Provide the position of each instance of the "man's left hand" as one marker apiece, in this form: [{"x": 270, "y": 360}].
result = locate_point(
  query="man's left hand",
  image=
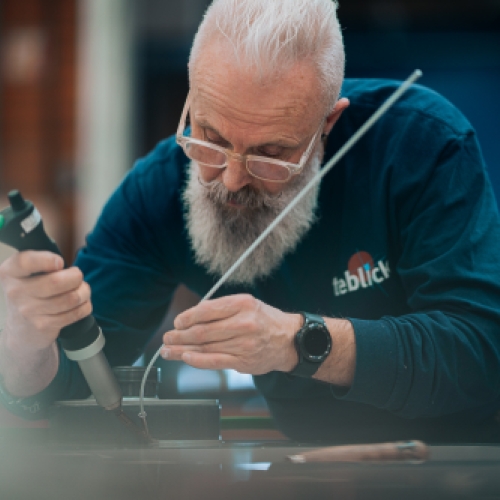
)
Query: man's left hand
[{"x": 237, "y": 332}]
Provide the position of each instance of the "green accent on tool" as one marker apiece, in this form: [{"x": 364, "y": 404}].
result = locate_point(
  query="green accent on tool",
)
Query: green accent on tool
[{"x": 2, "y": 220}]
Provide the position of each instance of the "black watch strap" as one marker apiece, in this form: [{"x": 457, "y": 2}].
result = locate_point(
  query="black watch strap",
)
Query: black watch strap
[
  {"x": 312, "y": 318},
  {"x": 306, "y": 367}
]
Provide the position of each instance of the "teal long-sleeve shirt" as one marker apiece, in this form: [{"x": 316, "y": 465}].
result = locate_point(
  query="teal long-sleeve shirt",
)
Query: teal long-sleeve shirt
[{"x": 405, "y": 246}]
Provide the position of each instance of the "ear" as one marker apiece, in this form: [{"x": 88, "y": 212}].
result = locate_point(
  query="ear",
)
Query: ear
[{"x": 336, "y": 113}]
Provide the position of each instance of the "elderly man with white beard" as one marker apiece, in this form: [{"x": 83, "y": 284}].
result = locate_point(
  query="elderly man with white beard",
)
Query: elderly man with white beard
[{"x": 371, "y": 312}]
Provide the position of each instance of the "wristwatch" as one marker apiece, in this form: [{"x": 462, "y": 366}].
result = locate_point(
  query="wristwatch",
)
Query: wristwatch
[{"x": 313, "y": 343}]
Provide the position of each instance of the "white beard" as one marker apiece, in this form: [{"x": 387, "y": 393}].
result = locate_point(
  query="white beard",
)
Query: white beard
[{"x": 220, "y": 233}]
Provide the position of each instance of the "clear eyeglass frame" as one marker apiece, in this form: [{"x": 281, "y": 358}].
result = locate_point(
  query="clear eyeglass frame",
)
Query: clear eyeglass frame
[{"x": 256, "y": 166}]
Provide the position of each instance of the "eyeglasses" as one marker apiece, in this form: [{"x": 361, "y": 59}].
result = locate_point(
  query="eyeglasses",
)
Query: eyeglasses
[{"x": 211, "y": 155}]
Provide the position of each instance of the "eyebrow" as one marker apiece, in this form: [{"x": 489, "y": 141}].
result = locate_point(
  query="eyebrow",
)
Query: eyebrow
[{"x": 279, "y": 143}]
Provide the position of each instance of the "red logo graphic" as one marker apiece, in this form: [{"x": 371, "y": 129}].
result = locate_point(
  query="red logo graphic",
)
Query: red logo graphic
[
  {"x": 361, "y": 260},
  {"x": 361, "y": 273}
]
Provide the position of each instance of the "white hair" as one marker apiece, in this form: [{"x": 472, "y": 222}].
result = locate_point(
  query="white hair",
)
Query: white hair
[{"x": 272, "y": 35}]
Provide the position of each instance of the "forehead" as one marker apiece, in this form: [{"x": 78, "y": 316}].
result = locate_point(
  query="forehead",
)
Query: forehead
[{"x": 228, "y": 94}]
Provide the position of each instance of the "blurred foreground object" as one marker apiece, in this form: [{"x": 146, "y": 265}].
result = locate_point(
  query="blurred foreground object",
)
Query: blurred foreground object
[{"x": 399, "y": 451}]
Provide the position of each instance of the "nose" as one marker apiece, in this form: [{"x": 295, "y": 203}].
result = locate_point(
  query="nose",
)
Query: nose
[{"x": 235, "y": 175}]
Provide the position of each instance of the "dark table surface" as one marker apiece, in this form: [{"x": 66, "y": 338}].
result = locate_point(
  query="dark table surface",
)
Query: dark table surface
[{"x": 237, "y": 470}]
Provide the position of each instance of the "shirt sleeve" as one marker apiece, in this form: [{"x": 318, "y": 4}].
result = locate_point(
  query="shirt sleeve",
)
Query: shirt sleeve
[{"x": 444, "y": 357}]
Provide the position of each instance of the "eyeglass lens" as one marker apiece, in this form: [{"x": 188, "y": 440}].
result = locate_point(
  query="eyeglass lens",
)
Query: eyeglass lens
[
  {"x": 205, "y": 155},
  {"x": 213, "y": 158}
]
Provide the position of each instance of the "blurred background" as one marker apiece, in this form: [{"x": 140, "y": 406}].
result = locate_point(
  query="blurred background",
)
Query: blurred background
[{"x": 87, "y": 86}]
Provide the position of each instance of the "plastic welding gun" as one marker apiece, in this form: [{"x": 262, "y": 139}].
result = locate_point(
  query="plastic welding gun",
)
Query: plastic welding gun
[{"x": 21, "y": 227}]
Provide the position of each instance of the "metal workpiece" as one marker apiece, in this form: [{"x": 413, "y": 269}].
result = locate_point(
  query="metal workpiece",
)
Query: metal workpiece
[{"x": 84, "y": 422}]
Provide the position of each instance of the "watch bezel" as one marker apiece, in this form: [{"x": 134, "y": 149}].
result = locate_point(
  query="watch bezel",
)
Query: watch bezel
[{"x": 308, "y": 327}]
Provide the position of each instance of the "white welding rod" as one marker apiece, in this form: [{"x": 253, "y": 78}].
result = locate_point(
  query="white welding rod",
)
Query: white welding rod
[{"x": 317, "y": 178}]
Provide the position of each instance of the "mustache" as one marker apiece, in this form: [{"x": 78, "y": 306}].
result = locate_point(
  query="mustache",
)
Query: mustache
[{"x": 247, "y": 196}]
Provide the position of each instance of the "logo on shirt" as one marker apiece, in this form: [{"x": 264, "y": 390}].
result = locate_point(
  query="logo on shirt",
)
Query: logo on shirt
[{"x": 361, "y": 273}]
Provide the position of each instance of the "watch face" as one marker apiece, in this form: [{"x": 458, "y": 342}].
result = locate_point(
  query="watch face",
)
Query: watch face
[{"x": 316, "y": 343}]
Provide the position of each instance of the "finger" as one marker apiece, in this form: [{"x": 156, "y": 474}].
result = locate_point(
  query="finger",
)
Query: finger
[
  {"x": 24, "y": 264},
  {"x": 205, "y": 333},
  {"x": 209, "y": 361},
  {"x": 174, "y": 353},
  {"x": 213, "y": 310},
  {"x": 50, "y": 323},
  {"x": 65, "y": 302},
  {"x": 54, "y": 284},
  {"x": 238, "y": 347}
]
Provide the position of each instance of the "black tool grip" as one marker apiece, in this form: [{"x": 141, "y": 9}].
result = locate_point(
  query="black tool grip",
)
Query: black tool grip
[
  {"x": 22, "y": 228},
  {"x": 13, "y": 234}
]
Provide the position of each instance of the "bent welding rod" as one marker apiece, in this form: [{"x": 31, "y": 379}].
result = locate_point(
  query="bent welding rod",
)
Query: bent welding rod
[{"x": 317, "y": 178}]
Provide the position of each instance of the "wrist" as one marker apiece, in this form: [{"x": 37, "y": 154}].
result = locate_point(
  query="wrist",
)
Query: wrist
[
  {"x": 291, "y": 359},
  {"x": 24, "y": 370},
  {"x": 26, "y": 345},
  {"x": 23, "y": 342},
  {"x": 339, "y": 367}
]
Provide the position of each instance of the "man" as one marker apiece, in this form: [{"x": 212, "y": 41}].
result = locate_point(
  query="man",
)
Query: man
[{"x": 393, "y": 259}]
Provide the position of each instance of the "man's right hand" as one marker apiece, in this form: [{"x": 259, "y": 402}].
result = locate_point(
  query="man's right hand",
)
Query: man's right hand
[{"x": 41, "y": 298}]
